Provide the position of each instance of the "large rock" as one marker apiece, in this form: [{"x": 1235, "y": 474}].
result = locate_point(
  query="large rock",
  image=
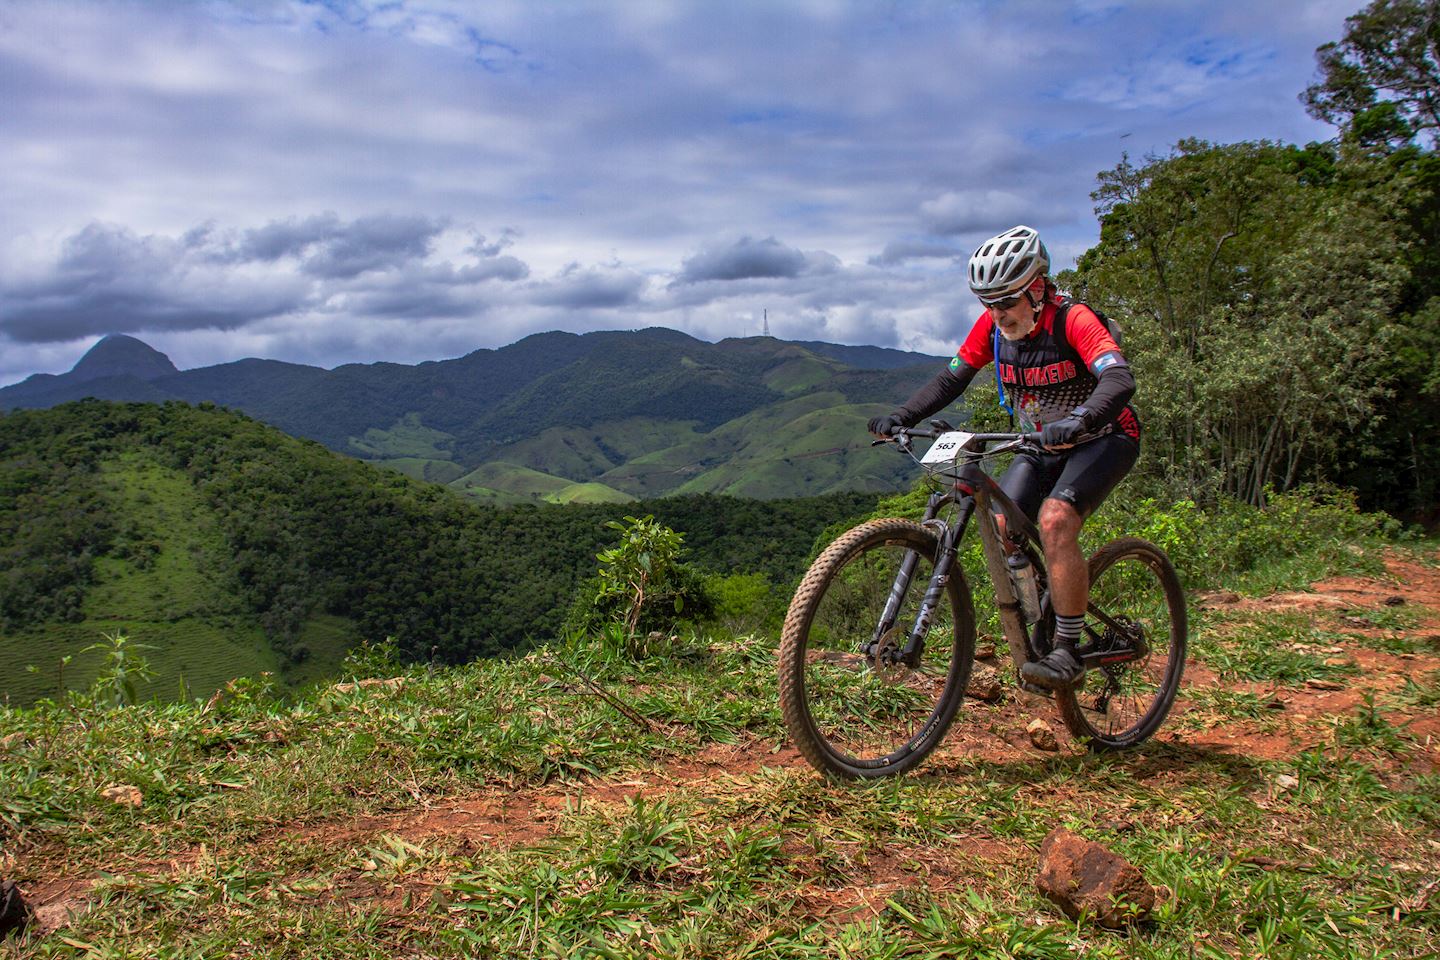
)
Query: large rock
[
  {"x": 985, "y": 685},
  {"x": 1042, "y": 735},
  {"x": 14, "y": 911},
  {"x": 1082, "y": 877}
]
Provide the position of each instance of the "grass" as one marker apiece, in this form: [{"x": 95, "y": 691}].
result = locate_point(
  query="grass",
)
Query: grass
[
  {"x": 1423, "y": 691},
  {"x": 1285, "y": 648},
  {"x": 589, "y": 493},
  {"x": 762, "y": 861},
  {"x": 503, "y": 809},
  {"x": 192, "y": 657},
  {"x": 779, "y": 864},
  {"x": 1211, "y": 705},
  {"x": 1370, "y": 730}
]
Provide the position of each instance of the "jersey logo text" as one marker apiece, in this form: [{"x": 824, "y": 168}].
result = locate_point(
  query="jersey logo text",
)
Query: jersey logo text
[{"x": 1038, "y": 376}]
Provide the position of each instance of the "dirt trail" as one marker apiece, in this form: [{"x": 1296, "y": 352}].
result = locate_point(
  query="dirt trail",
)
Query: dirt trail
[{"x": 504, "y": 817}]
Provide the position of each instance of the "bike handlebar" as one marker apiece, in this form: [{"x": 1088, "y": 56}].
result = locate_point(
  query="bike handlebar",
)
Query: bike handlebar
[
  {"x": 986, "y": 437},
  {"x": 903, "y": 435}
]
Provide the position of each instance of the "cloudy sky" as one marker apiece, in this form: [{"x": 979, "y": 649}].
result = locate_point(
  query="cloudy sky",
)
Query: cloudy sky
[{"x": 335, "y": 181}]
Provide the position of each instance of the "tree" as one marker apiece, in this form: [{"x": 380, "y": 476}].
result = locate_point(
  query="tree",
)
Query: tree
[
  {"x": 1381, "y": 83},
  {"x": 1256, "y": 284}
]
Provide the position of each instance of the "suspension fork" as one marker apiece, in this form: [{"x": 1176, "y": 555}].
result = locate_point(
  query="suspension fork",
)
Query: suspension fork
[
  {"x": 934, "y": 591},
  {"x": 898, "y": 589},
  {"x": 949, "y": 537}
]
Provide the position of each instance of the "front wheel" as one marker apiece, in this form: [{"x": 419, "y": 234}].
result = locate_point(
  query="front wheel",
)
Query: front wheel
[
  {"x": 852, "y": 703},
  {"x": 1134, "y": 641}
]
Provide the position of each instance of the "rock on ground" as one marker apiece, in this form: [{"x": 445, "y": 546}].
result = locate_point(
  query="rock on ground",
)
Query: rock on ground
[
  {"x": 1042, "y": 735},
  {"x": 1081, "y": 876},
  {"x": 984, "y": 685},
  {"x": 125, "y": 794}
]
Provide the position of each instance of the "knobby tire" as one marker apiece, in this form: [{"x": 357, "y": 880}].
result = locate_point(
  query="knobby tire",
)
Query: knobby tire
[
  {"x": 871, "y": 546},
  {"x": 1141, "y": 579}
]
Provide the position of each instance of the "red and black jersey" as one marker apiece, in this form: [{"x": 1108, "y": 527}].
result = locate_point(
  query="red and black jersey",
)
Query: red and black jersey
[{"x": 1046, "y": 378}]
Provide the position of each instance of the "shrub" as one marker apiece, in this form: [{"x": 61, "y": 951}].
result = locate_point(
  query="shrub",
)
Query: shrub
[
  {"x": 746, "y": 602},
  {"x": 641, "y": 584}
]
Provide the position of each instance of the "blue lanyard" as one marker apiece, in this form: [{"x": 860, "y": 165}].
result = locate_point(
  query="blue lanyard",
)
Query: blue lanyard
[{"x": 999, "y": 387}]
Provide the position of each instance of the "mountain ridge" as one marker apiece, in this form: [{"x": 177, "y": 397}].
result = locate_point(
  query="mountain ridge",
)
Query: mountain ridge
[{"x": 445, "y": 418}]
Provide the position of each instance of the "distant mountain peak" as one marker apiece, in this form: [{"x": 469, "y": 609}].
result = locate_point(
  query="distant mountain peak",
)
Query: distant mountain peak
[{"x": 119, "y": 355}]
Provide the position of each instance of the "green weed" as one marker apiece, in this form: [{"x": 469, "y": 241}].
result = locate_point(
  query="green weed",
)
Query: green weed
[
  {"x": 1281, "y": 648},
  {"x": 1422, "y": 692},
  {"x": 1206, "y": 705},
  {"x": 1369, "y": 730}
]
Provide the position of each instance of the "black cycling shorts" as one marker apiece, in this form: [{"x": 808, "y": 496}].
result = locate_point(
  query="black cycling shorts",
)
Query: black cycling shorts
[{"x": 1082, "y": 476}]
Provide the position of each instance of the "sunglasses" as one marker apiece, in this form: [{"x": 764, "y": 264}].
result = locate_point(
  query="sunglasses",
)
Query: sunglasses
[{"x": 1005, "y": 303}]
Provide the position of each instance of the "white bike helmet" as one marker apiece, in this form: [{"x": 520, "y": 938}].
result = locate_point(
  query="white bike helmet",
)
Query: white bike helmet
[{"x": 1006, "y": 264}]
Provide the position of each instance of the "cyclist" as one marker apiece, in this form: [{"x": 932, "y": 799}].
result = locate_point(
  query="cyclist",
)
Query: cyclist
[{"x": 1062, "y": 370}]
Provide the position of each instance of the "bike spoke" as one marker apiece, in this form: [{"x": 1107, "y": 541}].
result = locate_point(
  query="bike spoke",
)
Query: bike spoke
[
  {"x": 869, "y": 711},
  {"x": 1136, "y": 620}
]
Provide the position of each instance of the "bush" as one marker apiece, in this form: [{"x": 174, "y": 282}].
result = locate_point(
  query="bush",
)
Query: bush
[
  {"x": 746, "y": 603},
  {"x": 1232, "y": 537},
  {"x": 372, "y": 659},
  {"x": 641, "y": 586}
]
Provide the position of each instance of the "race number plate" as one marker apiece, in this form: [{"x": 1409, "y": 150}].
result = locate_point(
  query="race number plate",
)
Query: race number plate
[{"x": 946, "y": 447}]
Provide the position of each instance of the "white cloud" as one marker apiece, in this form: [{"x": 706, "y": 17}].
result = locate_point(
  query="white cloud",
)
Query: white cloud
[
  {"x": 965, "y": 211},
  {"x": 368, "y": 142}
]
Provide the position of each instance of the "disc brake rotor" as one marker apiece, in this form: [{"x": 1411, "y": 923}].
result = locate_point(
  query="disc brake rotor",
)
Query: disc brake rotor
[{"x": 884, "y": 662}]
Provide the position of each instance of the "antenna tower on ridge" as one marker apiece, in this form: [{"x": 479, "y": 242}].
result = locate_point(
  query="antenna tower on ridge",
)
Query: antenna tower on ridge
[{"x": 766, "y": 328}]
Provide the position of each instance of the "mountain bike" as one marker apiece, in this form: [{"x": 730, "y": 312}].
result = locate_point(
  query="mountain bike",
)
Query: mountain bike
[{"x": 879, "y": 641}]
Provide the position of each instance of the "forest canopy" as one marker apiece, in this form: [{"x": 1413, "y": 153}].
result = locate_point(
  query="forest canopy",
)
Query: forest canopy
[
  {"x": 1281, "y": 304},
  {"x": 307, "y": 531}
]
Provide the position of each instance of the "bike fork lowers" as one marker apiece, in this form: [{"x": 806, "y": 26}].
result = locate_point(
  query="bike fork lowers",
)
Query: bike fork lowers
[
  {"x": 915, "y": 645},
  {"x": 898, "y": 589},
  {"x": 934, "y": 592}
]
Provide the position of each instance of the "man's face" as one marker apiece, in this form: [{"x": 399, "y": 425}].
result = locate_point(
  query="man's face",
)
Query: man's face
[{"x": 1014, "y": 321}]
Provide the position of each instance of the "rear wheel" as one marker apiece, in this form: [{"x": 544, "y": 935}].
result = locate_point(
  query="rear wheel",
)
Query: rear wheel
[
  {"x": 1136, "y": 621},
  {"x": 851, "y": 706}
]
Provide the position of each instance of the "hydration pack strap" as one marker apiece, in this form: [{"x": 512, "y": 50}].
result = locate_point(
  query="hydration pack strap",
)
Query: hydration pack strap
[
  {"x": 1057, "y": 330},
  {"x": 999, "y": 386}
]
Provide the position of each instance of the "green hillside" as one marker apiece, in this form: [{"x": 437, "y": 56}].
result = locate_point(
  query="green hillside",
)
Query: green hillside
[
  {"x": 584, "y": 453},
  {"x": 406, "y": 438},
  {"x": 500, "y": 482},
  {"x": 232, "y": 549},
  {"x": 420, "y": 468},
  {"x": 589, "y": 493},
  {"x": 816, "y": 441},
  {"x": 163, "y": 583},
  {"x": 500, "y": 477}
]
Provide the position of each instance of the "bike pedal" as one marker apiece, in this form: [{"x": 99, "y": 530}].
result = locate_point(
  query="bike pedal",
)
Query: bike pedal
[{"x": 1036, "y": 689}]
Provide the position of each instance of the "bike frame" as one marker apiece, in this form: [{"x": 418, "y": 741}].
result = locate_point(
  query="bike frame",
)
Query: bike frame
[{"x": 973, "y": 490}]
